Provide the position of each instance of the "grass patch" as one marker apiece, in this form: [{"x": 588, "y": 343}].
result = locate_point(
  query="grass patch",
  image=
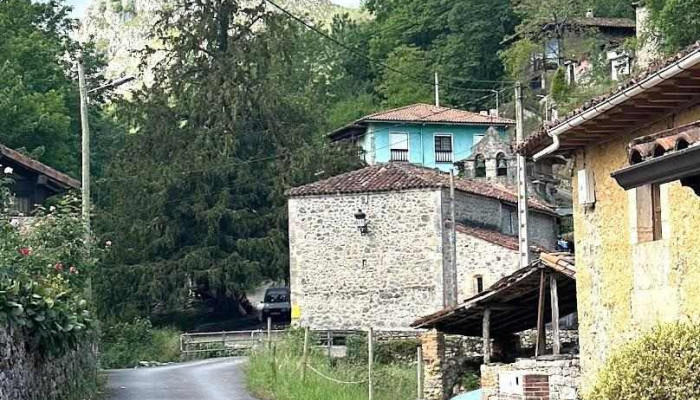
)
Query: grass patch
[
  {"x": 280, "y": 377},
  {"x": 124, "y": 345}
]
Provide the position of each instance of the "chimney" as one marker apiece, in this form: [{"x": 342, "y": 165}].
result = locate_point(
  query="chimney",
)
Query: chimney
[
  {"x": 647, "y": 39},
  {"x": 484, "y": 113}
]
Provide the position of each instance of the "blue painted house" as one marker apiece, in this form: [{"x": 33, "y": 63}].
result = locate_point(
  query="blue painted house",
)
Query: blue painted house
[{"x": 423, "y": 134}]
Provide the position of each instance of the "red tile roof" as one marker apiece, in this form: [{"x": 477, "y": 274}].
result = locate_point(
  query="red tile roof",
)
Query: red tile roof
[
  {"x": 402, "y": 176},
  {"x": 33, "y": 165},
  {"x": 491, "y": 236},
  {"x": 427, "y": 113}
]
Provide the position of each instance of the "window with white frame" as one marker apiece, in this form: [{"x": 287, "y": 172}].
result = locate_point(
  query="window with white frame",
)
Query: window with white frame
[
  {"x": 398, "y": 142},
  {"x": 443, "y": 148}
]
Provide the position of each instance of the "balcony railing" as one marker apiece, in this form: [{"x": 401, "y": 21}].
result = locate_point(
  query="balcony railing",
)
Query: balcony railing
[
  {"x": 443, "y": 156},
  {"x": 399, "y": 155}
]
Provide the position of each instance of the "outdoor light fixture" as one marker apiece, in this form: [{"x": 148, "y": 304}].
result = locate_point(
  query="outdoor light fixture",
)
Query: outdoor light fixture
[{"x": 362, "y": 222}]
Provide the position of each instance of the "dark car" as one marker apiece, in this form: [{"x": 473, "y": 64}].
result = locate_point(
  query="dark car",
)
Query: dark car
[{"x": 277, "y": 305}]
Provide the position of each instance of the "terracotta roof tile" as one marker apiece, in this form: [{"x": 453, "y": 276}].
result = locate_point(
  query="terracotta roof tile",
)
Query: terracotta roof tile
[
  {"x": 426, "y": 113},
  {"x": 539, "y": 139},
  {"x": 665, "y": 142},
  {"x": 402, "y": 176},
  {"x": 491, "y": 236}
]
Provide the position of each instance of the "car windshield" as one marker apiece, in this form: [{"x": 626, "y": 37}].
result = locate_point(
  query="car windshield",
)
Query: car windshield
[{"x": 278, "y": 297}]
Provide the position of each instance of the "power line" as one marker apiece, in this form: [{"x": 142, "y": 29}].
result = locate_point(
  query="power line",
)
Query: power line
[{"x": 373, "y": 61}]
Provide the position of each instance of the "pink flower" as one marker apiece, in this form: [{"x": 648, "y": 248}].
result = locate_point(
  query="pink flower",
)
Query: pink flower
[
  {"x": 58, "y": 267},
  {"x": 25, "y": 251},
  {"x": 73, "y": 270}
]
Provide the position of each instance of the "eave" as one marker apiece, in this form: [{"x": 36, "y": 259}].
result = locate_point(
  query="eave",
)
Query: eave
[{"x": 682, "y": 165}]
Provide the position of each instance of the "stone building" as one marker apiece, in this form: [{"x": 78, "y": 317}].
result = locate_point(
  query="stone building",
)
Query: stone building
[
  {"x": 373, "y": 247},
  {"x": 636, "y": 211}
]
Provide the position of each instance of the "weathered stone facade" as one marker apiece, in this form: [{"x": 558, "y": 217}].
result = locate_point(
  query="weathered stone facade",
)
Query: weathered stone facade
[
  {"x": 26, "y": 375},
  {"x": 561, "y": 374},
  {"x": 387, "y": 279},
  {"x": 625, "y": 287}
]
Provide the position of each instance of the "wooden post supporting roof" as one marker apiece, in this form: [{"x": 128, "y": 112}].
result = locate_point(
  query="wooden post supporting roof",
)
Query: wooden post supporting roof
[
  {"x": 486, "y": 327},
  {"x": 554, "y": 298},
  {"x": 541, "y": 339}
]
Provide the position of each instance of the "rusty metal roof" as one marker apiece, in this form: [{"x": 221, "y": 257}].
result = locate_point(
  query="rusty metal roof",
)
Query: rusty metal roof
[
  {"x": 403, "y": 176},
  {"x": 513, "y": 301},
  {"x": 27, "y": 162}
]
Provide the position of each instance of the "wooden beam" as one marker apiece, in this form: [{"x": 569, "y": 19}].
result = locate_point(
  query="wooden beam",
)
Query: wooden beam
[
  {"x": 554, "y": 298},
  {"x": 486, "y": 334},
  {"x": 541, "y": 338}
]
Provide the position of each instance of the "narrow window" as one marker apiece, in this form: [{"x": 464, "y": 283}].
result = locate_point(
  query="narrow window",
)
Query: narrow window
[
  {"x": 649, "y": 213},
  {"x": 479, "y": 283},
  {"x": 443, "y": 148},
  {"x": 480, "y": 166},
  {"x": 399, "y": 146},
  {"x": 501, "y": 165}
]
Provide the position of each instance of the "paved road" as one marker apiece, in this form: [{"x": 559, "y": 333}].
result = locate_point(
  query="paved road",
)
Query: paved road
[{"x": 215, "y": 379}]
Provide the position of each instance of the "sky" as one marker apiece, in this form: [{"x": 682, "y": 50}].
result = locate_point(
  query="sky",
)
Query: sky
[{"x": 80, "y": 5}]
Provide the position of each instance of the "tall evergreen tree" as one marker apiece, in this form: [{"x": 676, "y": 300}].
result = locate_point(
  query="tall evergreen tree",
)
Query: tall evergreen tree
[{"x": 194, "y": 203}]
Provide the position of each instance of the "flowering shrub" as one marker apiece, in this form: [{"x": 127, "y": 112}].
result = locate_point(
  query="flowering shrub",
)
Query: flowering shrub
[{"x": 44, "y": 271}]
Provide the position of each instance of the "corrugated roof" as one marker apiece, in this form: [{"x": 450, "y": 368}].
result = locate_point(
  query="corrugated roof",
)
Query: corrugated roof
[
  {"x": 39, "y": 168},
  {"x": 402, "y": 176}
]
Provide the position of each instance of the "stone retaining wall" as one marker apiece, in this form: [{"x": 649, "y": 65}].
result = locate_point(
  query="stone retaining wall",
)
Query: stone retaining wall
[
  {"x": 26, "y": 375},
  {"x": 564, "y": 376}
]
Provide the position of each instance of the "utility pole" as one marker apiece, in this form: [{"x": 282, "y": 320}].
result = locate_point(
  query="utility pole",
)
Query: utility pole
[
  {"x": 524, "y": 241},
  {"x": 453, "y": 287},
  {"x": 437, "y": 90},
  {"x": 498, "y": 101},
  {"x": 85, "y": 190}
]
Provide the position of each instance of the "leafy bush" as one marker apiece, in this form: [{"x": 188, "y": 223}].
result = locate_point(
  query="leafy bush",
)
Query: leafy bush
[
  {"x": 124, "y": 345},
  {"x": 44, "y": 270},
  {"x": 385, "y": 351},
  {"x": 662, "y": 365}
]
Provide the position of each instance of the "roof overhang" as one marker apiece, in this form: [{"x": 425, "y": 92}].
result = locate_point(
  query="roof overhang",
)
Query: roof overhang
[
  {"x": 513, "y": 301},
  {"x": 644, "y": 102},
  {"x": 55, "y": 179},
  {"x": 683, "y": 165}
]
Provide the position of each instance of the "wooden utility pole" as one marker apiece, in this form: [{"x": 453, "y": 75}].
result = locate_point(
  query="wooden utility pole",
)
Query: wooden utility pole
[
  {"x": 524, "y": 241},
  {"x": 454, "y": 288},
  {"x": 370, "y": 361},
  {"x": 85, "y": 189},
  {"x": 541, "y": 333}
]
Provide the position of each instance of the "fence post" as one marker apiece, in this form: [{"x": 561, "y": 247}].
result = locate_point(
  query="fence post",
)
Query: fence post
[
  {"x": 305, "y": 354},
  {"x": 419, "y": 371},
  {"x": 269, "y": 332},
  {"x": 329, "y": 338},
  {"x": 370, "y": 349},
  {"x": 223, "y": 343},
  {"x": 274, "y": 363}
]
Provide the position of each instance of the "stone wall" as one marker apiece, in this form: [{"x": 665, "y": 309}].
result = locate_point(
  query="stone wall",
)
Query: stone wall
[
  {"x": 563, "y": 376},
  {"x": 387, "y": 279},
  {"x": 26, "y": 375},
  {"x": 625, "y": 287}
]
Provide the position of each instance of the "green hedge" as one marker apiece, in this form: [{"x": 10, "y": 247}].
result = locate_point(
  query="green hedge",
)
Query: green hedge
[
  {"x": 662, "y": 365},
  {"x": 390, "y": 351},
  {"x": 124, "y": 345}
]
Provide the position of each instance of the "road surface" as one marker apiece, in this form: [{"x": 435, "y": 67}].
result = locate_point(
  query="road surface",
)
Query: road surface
[{"x": 215, "y": 379}]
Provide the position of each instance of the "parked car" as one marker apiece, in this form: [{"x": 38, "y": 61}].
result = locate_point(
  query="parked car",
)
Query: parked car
[{"x": 276, "y": 305}]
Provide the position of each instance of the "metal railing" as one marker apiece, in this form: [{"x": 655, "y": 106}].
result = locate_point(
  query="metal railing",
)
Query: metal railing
[
  {"x": 399, "y": 155},
  {"x": 443, "y": 156}
]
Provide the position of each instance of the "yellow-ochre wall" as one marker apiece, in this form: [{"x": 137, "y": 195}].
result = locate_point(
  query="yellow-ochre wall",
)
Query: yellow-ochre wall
[{"x": 624, "y": 288}]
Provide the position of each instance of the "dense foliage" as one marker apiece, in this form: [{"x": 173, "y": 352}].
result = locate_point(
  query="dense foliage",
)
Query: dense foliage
[
  {"x": 125, "y": 344},
  {"x": 194, "y": 202},
  {"x": 661, "y": 365},
  {"x": 44, "y": 270},
  {"x": 676, "y": 21},
  {"x": 39, "y": 111}
]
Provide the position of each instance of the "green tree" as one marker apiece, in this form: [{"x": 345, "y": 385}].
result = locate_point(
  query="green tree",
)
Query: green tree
[
  {"x": 560, "y": 89},
  {"x": 194, "y": 202},
  {"x": 677, "y": 21},
  {"x": 38, "y": 84},
  {"x": 404, "y": 88}
]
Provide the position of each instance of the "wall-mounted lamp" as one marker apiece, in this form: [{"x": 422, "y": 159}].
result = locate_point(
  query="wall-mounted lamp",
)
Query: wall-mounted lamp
[{"x": 361, "y": 219}]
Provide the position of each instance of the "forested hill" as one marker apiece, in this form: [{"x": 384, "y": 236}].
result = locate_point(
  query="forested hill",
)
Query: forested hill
[{"x": 122, "y": 28}]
